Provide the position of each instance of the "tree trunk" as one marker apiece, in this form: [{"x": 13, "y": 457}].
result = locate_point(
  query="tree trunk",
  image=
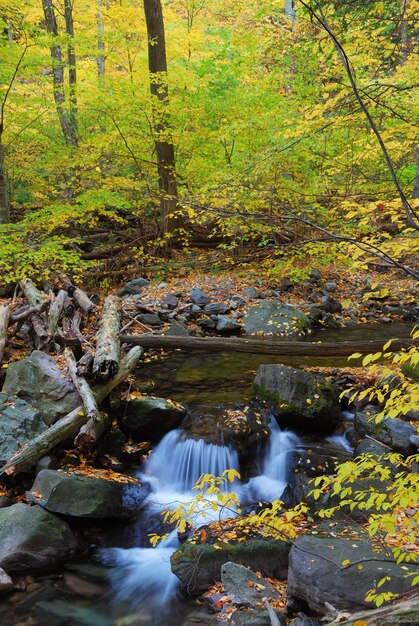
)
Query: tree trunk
[
  {"x": 415, "y": 192},
  {"x": 58, "y": 76},
  {"x": 290, "y": 11},
  {"x": 159, "y": 89},
  {"x": 4, "y": 190},
  {"x": 4, "y": 322},
  {"x": 100, "y": 59},
  {"x": 72, "y": 71},
  {"x": 262, "y": 345},
  {"x": 106, "y": 360}
]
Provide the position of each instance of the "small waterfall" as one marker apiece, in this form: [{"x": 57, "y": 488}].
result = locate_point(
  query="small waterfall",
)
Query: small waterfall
[
  {"x": 178, "y": 462},
  {"x": 270, "y": 484},
  {"x": 340, "y": 441}
]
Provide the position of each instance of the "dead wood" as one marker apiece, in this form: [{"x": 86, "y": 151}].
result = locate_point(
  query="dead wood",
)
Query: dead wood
[
  {"x": 68, "y": 426},
  {"x": 4, "y": 322},
  {"x": 80, "y": 296},
  {"x": 106, "y": 359},
  {"x": 55, "y": 310},
  {"x": 262, "y": 345}
]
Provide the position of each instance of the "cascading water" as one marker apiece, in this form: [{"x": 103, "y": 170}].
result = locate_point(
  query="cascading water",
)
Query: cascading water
[
  {"x": 270, "y": 484},
  {"x": 142, "y": 576}
]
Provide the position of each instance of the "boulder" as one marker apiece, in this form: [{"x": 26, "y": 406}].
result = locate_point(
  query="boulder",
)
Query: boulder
[
  {"x": 257, "y": 617},
  {"x": 299, "y": 398},
  {"x": 242, "y": 427},
  {"x": 235, "y": 579},
  {"x": 227, "y": 324},
  {"x": 39, "y": 381},
  {"x": 216, "y": 308},
  {"x": 147, "y": 418},
  {"x": 19, "y": 424},
  {"x": 199, "y": 297},
  {"x": 32, "y": 539},
  {"x": 342, "y": 569},
  {"x": 391, "y": 431},
  {"x": 87, "y": 496},
  {"x": 6, "y": 583},
  {"x": 198, "y": 565},
  {"x": 274, "y": 317}
]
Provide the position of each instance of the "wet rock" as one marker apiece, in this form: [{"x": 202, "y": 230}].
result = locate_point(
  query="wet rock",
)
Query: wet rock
[
  {"x": 299, "y": 398},
  {"x": 177, "y": 330},
  {"x": 275, "y": 318},
  {"x": 330, "y": 286},
  {"x": 369, "y": 446},
  {"x": 258, "y": 617},
  {"x": 216, "y": 308},
  {"x": 19, "y": 423},
  {"x": 64, "y": 613},
  {"x": 303, "y": 620},
  {"x": 87, "y": 496},
  {"x": 5, "y": 501},
  {"x": 207, "y": 324},
  {"x": 235, "y": 579},
  {"x": 239, "y": 300},
  {"x": 6, "y": 583},
  {"x": 227, "y": 324},
  {"x": 198, "y": 565},
  {"x": 317, "y": 574},
  {"x": 31, "y": 538},
  {"x": 330, "y": 305},
  {"x": 170, "y": 302},
  {"x": 147, "y": 418},
  {"x": 39, "y": 381},
  {"x": 199, "y": 297},
  {"x": 252, "y": 293},
  {"x": 150, "y": 319},
  {"x": 393, "y": 432}
]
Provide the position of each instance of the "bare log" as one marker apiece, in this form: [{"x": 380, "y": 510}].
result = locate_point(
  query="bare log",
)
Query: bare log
[
  {"x": 97, "y": 422},
  {"x": 4, "y": 322},
  {"x": 84, "y": 364},
  {"x": 262, "y": 345},
  {"x": 32, "y": 294},
  {"x": 106, "y": 359},
  {"x": 69, "y": 425},
  {"x": 80, "y": 296},
  {"x": 54, "y": 312},
  {"x": 402, "y": 612},
  {"x": 23, "y": 313}
]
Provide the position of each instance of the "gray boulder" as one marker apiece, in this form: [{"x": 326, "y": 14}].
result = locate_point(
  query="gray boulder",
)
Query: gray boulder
[
  {"x": 198, "y": 565},
  {"x": 88, "y": 497},
  {"x": 227, "y": 324},
  {"x": 341, "y": 570},
  {"x": 32, "y": 539},
  {"x": 235, "y": 579},
  {"x": 19, "y": 424},
  {"x": 299, "y": 398},
  {"x": 147, "y": 418},
  {"x": 40, "y": 382},
  {"x": 391, "y": 431},
  {"x": 216, "y": 308},
  {"x": 199, "y": 297},
  {"x": 274, "y": 317}
]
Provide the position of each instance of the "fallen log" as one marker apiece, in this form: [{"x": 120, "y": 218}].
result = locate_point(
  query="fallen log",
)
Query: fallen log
[
  {"x": 80, "y": 296},
  {"x": 106, "y": 359},
  {"x": 402, "y": 612},
  {"x": 32, "y": 294},
  {"x": 96, "y": 422},
  {"x": 36, "y": 298},
  {"x": 55, "y": 309},
  {"x": 4, "y": 322},
  {"x": 263, "y": 345},
  {"x": 69, "y": 425},
  {"x": 23, "y": 313},
  {"x": 84, "y": 364}
]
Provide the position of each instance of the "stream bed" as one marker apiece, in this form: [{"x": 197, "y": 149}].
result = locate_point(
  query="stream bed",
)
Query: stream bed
[{"x": 121, "y": 580}]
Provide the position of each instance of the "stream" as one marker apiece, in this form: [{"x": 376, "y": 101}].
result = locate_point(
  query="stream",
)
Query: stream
[{"x": 140, "y": 587}]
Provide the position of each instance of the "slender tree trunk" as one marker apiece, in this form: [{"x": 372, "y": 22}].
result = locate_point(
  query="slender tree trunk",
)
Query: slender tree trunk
[
  {"x": 4, "y": 189},
  {"x": 100, "y": 59},
  {"x": 415, "y": 192},
  {"x": 72, "y": 70},
  {"x": 58, "y": 76},
  {"x": 165, "y": 152},
  {"x": 290, "y": 10}
]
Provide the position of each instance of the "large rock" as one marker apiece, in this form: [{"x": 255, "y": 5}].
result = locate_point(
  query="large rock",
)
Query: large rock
[
  {"x": 84, "y": 496},
  {"x": 391, "y": 431},
  {"x": 341, "y": 570},
  {"x": 40, "y": 382},
  {"x": 19, "y": 424},
  {"x": 273, "y": 317},
  {"x": 299, "y": 398},
  {"x": 235, "y": 579},
  {"x": 198, "y": 565},
  {"x": 147, "y": 418},
  {"x": 33, "y": 539}
]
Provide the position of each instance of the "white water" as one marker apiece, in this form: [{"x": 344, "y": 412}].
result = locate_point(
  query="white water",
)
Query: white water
[
  {"x": 270, "y": 484},
  {"x": 340, "y": 441}
]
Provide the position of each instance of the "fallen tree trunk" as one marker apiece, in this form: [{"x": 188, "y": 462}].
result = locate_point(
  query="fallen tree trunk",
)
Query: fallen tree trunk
[
  {"x": 69, "y": 425},
  {"x": 263, "y": 345},
  {"x": 4, "y": 322},
  {"x": 23, "y": 313},
  {"x": 32, "y": 294},
  {"x": 403, "y": 612},
  {"x": 36, "y": 298},
  {"x": 106, "y": 359},
  {"x": 96, "y": 422},
  {"x": 54, "y": 312},
  {"x": 80, "y": 296}
]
